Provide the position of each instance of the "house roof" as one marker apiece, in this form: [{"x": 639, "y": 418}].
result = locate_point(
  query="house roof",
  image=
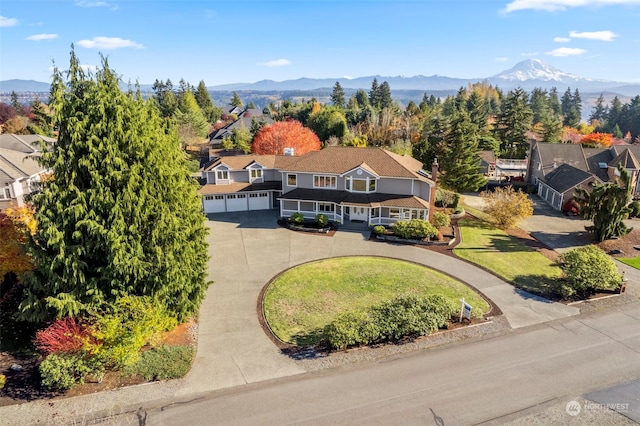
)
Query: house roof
[
  {"x": 489, "y": 157},
  {"x": 562, "y": 153},
  {"x": 598, "y": 159},
  {"x": 627, "y": 159},
  {"x": 239, "y": 162},
  {"x": 566, "y": 177},
  {"x": 211, "y": 189},
  {"x": 23, "y": 143},
  {"x": 356, "y": 199},
  {"x": 338, "y": 160}
]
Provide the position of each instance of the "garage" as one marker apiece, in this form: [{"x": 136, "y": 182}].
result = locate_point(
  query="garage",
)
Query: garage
[
  {"x": 259, "y": 201},
  {"x": 237, "y": 202},
  {"x": 214, "y": 204}
]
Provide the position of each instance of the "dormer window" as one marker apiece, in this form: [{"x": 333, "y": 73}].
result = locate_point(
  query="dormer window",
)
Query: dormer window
[
  {"x": 222, "y": 175},
  {"x": 256, "y": 174}
]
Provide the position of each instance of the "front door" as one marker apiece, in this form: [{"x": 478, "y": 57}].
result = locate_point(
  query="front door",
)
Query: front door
[{"x": 359, "y": 213}]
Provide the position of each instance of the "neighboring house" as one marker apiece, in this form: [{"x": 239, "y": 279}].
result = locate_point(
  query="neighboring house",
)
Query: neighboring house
[
  {"x": 244, "y": 121},
  {"x": 369, "y": 185},
  {"x": 19, "y": 168},
  {"x": 487, "y": 163},
  {"x": 557, "y": 169}
]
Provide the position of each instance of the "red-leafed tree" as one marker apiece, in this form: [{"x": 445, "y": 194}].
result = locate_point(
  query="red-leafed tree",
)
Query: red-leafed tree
[
  {"x": 65, "y": 335},
  {"x": 275, "y": 138},
  {"x": 597, "y": 140}
]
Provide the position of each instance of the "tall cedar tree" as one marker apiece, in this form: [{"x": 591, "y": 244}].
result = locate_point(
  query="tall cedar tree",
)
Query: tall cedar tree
[
  {"x": 460, "y": 161},
  {"x": 337, "y": 95},
  {"x": 273, "y": 139},
  {"x": 513, "y": 124},
  {"x": 607, "y": 205},
  {"x": 121, "y": 216}
]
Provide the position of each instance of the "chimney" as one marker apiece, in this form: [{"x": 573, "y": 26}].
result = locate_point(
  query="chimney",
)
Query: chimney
[
  {"x": 432, "y": 194},
  {"x": 289, "y": 151}
]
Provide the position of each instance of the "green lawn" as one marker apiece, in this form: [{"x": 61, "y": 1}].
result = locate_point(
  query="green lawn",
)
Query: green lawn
[
  {"x": 302, "y": 301},
  {"x": 631, "y": 261},
  {"x": 498, "y": 252}
]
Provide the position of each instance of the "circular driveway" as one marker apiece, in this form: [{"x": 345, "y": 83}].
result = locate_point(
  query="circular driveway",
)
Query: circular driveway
[{"x": 247, "y": 249}]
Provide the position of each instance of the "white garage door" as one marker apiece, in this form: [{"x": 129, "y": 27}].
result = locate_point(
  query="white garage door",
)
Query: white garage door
[
  {"x": 213, "y": 204},
  {"x": 236, "y": 202},
  {"x": 259, "y": 201}
]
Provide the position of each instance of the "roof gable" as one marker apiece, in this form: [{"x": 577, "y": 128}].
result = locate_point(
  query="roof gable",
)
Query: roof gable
[
  {"x": 627, "y": 160},
  {"x": 562, "y": 153},
  {"x": 566, "y": 177}
]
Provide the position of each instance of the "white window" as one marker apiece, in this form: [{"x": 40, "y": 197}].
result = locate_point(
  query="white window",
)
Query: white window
[
  {"x": 292, "y": 180},
  {"x": 360, "y": 185},
  {"x": 6, "y": 193},
  {"x": 394, "y": 213},
  {"x": 256, "y": 174},
  {"x": 222, "y": 174},
  {"x": 219, "y": 197},
  {"x": 326, "y": 207},
  {"x": 324, "y": 182}
]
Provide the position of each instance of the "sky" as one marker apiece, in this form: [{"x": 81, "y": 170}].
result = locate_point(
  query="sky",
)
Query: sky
[{"x": 232, "y": 41}]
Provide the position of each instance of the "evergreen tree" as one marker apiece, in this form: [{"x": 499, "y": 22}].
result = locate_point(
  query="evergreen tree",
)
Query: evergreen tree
[
  {"x": 192, "y": 124},
  {"x": 599, "y": 112},
  {"x": 551, "y": 128},
  {"x": 337, "y": 96},
  {"x": 539, "y": 104},
  {"x": 571, "y": 108},
  {"x": 513, "y": 124},
  {"x": 554, "y": 102},
  {"x": 15, "y": 103},
  {"x": 235, "y": 100},
  {"x": 607, "y": 205},
  {"x": 374, "y": 94},
  {"x": 211, "y": 112},
  {"x": 460, "y": 162},
  {"x": 384, "y": 96},
  {"x": 362, "y": 98},
  {"x": 120, "y": 215}
]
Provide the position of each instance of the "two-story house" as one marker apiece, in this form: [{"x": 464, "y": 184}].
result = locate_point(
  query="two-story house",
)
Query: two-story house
[
  {"x": 369, "y": 185},
  {"x": 19, "y": 168}
]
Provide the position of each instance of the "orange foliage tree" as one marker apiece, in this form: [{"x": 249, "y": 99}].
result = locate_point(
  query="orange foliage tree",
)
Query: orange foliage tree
[
  {"x": 13, "y": 235},
  {"x": 275, "y": 138},
  {"x": 597, "y": 139}
]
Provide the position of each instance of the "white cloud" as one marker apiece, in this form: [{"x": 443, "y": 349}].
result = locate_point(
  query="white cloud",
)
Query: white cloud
[
  {"x": 108, "y": 43},
  {"x": 88, "y": 3},
  {"x": 348, "y": 77},
  {"x": 89, "y": 68},
  {"x": 561, "y": 39},
  {"x": 8, "y": 22},
  {"x": 594, "y": 35},
  {"x": 38, "y": 37},
  {"x": 553, "y": 5},
  {"x": 529, "y": 54},
  {"x": 566, "y": 51},
  {"x": 502, "y": 59},
  {"x": 276, "y": 63}
]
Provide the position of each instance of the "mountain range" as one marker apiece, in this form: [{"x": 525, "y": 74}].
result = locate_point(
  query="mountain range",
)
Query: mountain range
[{"x": 527, "y": 74}]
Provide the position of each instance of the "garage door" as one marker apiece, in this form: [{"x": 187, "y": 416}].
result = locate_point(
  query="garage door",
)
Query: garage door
[
  {"x": 236, "y": 202},
  {"x": 259, "y": 201},
  {"x": 213, "y": 204}
]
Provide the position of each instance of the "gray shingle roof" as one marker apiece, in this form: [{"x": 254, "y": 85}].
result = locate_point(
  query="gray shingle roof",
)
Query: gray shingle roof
[
  {"x": 562, "y": 153},
  {"x": 566, "y": 177}
]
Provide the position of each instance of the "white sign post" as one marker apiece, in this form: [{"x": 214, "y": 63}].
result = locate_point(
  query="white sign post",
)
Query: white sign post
[{"x": 465, "y": 310}]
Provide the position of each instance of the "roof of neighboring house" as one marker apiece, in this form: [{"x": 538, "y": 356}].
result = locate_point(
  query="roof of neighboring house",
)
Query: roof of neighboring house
[
  {"x": 627, "y": 159},
  {"x": 239, "y": 162},
  {"x": 488, "y": 157},
  {"x": 23, "y": 143},
  {"x": 244, "y": 121},
  {"x": 338, "y": 160},
  {"x": 356, "y": 199},
  {"x": 211, "y": 189},
  {"x": 566, "y": 177},
  {"x": 562, "y": 153},
  {"x": 598, "y": 160}
]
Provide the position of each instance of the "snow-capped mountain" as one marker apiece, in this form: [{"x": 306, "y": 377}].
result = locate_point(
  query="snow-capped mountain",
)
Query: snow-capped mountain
[{"x": 535, "y": 69}]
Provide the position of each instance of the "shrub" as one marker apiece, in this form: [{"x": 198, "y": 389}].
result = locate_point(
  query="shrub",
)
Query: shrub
[
  {"x": 297, "y": 218},
  {"x": 63, "y": 371},
  {"x": 351, "y": 328},
  {"x": 507, "y": 207},
  {"x": 446, "y": 198},
  {"x": 322, "y": 219},
  {"x": 65, "y": 335},
  {"x": 163, "y": 363},
  {"x": 441, "y": 219},
  {"x": 379, "y": 229},
  {"x": 3, "y": 381},
  {"x": 120, "y": 334},
  {"x": 403, "y": 316},
  {"x": 414, "y": 228},
  {"x": 586, "y": 270},
  {"x": 635, "y": 209},
  {"x": 458, "y": 210}
]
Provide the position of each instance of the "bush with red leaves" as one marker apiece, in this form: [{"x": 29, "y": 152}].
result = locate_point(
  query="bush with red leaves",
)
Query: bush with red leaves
[{"x": 62, "y": 336}]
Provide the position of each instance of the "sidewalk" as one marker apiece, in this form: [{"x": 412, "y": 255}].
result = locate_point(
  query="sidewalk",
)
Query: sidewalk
[{"x": 233, "y": 350}]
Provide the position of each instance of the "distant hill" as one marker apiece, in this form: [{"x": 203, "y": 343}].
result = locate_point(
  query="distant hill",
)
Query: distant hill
[{"x": 23, "y": 86}]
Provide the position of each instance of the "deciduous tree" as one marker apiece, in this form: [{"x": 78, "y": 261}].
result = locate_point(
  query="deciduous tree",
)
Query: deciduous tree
[
  {"x": 506, "y": 206},
  {"x": 273, "y": 139}
]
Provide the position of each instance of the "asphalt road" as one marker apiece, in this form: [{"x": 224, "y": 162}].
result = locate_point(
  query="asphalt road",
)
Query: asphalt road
[{"x": 492, "y": 381}]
